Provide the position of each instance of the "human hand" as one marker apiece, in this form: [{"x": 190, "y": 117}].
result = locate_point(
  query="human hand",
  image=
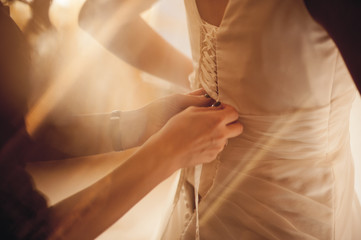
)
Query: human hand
[
  {"x": 158, "y": 112},
  {"x": 195, "y": 135}
]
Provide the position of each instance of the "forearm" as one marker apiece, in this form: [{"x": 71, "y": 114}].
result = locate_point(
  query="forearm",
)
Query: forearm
[
  {"x": 193, "y": 137},
  {"x": 143, "y": 48},
  {"x": 92, "y": 134},
  {"x": 88, "y": 213},
  {"x": 134, "y": 41},
  {"x": 77, "y": 135}
]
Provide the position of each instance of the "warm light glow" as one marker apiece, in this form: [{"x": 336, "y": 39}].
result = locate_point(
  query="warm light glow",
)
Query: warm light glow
[
  {"x": 64, "y": 3},
  {"x": 99, "y": 82}
]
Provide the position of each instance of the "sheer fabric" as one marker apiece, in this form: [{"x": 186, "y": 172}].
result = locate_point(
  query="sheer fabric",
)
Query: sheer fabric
[{"x": 290, "y": 174}]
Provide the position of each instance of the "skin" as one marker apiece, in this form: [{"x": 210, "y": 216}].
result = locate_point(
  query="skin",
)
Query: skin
[
  {"x": 133, "y": 40},
  {"x": 341, "y": 18},
  {"x": 194, "y": 136},
  {"x": 345, "y": 31},
  {"x": 212, "y": 11},
  {"x": 90, "y": 134}
]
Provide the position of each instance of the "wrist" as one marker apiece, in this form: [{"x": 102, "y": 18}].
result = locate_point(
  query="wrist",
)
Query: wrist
[
  {"x": 164, "y": 148},
  {"x": 132, "y": 128},
  {"x": 158, "y": 160},
  {"x": 114, "y": 130}
]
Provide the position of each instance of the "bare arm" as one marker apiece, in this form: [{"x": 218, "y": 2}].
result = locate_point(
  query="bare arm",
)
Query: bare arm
[
  {"x": 88, "y": 213},
  {"x": 194, "y": 136},
  {"x": 91, "y": 134},
  {"x": 342, "y": 20},
  {"x": 118, "y": 26}
]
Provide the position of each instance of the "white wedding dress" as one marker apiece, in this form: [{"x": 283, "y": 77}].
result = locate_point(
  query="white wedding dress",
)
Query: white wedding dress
[{"x": 290, "y": 174}]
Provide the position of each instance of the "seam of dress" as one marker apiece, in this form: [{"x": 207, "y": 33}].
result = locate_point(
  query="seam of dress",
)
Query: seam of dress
[
  {"x": 327, "y": 155},
  {"x": 207, "y": 73},
  {"x": 176, "y": 198},
  {"x": 213, "y": 180}
]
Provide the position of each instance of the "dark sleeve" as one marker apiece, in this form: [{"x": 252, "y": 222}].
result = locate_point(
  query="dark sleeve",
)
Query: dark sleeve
[
  {"x": 14, "y": 71},
  {"x": 342, "y": 20},
  {"x": 24, "y": 213},
  {"x": 15, "y": 67}
]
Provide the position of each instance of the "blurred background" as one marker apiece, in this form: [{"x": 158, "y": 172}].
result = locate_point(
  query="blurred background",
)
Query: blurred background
[{"x": 76, "y": 75}]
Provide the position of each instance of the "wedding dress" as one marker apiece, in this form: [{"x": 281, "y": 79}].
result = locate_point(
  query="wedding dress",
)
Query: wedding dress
[{"x": 290, "y": 174}]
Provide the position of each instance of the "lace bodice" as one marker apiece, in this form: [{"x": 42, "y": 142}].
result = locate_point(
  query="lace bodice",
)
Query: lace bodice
[{"x": 207, "y": 71}]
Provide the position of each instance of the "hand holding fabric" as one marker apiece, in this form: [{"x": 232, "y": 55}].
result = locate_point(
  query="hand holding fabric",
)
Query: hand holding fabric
[{"x": 196, "y": 135}]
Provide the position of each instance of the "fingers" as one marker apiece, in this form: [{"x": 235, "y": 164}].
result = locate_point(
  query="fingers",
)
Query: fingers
[
  {"x": 234, "y": 129},
  {"x": 202, "y": 131},
  {"x": 198, "y": 101},
  {"x": 198, "y": 92},
  {"x": 229, "y": 119},
  {"x": 226, "y": 113},
  {"x": 200, "y": 98},
  {"x": 230, "y": 114}
]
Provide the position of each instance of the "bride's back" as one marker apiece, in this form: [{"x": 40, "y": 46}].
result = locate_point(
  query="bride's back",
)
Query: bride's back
[{"x": 290, "y": 173}]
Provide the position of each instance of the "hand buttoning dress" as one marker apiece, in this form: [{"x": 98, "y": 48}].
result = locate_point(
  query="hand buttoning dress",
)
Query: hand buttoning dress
[{"x": 290, "y": 174}]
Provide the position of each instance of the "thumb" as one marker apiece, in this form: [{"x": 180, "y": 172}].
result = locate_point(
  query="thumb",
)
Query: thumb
[
  {"x": 199, "y": 91},
  {"x": 198, "y": 101}
]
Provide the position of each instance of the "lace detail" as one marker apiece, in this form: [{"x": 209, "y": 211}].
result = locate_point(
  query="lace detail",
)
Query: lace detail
[
  {"x": 207, "y": 71},
  {"x": 207, "y": 76}
]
